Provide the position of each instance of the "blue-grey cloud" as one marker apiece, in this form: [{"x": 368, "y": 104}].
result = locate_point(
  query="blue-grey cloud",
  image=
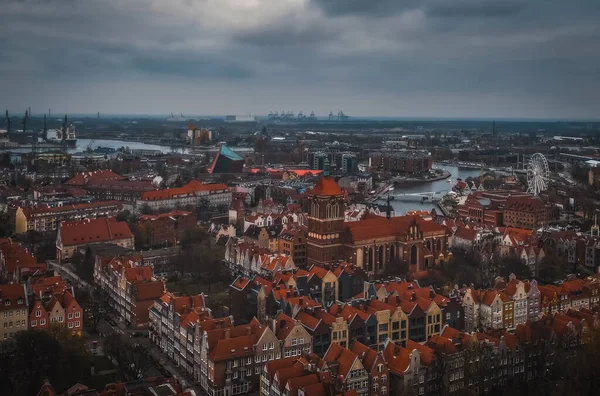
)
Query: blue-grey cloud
[{"x": 366, "y": 57}]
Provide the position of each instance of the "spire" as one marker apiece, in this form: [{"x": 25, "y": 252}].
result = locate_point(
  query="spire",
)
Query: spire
[{"x": 45, "y": 125}]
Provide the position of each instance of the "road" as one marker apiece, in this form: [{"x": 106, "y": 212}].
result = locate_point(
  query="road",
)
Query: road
[
  {"x": 105, "y": 329},
  {"x": 68, "y": 273}
]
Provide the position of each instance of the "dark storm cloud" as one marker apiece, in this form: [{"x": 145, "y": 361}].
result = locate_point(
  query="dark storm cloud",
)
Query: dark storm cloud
[
  {"x": 518, "y": 49},
  {"x": 190, "y": 66}
]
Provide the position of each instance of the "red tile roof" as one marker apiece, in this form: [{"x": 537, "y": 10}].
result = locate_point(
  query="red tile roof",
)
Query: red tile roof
[
  {"x": 149, "y": 290},
  {"x": 397, "y": 358},
  {"x": 240, "y": 283},
  {"x": 379, "y": 226},
  {"x": 189, "y": 189},
  {"x": 138, "y": 274},
  {"x": 468, "y": 234},
  {"x": 83, "y": 178},
  {"x": 308, "y": 321},
  {"x": 285, "y": 325},
  {"x": 326, "y": 186},
  {"x": 12, "y": 297},
  {"x": 344, "y": 357},
  {"x": 367, "y": 355},
  {"x": 104, "y": 229},
  {"x": 15, "y": 256}
]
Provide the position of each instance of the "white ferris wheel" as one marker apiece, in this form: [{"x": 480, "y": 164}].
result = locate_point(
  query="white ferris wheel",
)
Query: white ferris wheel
[{"x": 538, "y": 174}]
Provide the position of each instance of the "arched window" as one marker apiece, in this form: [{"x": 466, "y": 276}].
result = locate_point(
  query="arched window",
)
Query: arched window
[
  {"x": 392, "y": 252},
  {"x": 413, "y": 254},
  {"x": 439, "y": 245},
  {"x": 370, "y": 264},
  {"x": 429, "y": 244},
  {"x": 336, "y": 210},
  {"x": 380, "y": 258}
]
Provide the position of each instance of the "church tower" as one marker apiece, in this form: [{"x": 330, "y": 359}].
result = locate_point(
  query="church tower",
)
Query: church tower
[{"x": 326, "y": 208}]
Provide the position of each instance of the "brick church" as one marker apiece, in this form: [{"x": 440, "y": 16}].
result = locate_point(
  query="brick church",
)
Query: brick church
[{"x": 373, "y": 242}]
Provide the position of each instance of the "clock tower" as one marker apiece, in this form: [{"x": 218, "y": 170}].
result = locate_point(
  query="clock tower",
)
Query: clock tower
[{"x": 326, "y": 208}]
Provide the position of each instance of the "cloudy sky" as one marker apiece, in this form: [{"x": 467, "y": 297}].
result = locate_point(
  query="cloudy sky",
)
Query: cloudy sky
[{"x": 408, "y": 58}]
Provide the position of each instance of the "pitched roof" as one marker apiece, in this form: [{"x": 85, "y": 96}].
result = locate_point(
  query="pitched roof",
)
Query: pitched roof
[
  {"x": 83, "y": 178},
  {"x": 397, "y": 358},
  {"x": 469, "y": 234},
  {"x": 344, "y": 357},
  {"x": 309, "y": 321},
  {"x": 149, "y": 290},
  {"x": 138, "y": 274},
  {"x": 367, "y": 355},
  {"x": 379, "y": 226},
  {"x": 103, "y": 229},
  {"x": 285, "y": 325},
  {"x": 12, "y": 297},
  {"x": 189, "y": 189},
  {"x": 326, "y": 186}
]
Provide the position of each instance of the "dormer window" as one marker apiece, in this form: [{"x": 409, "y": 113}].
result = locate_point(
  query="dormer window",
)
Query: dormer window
[
  {"x": 19, "y": 300},
  {"x": 6, "y": 302}
]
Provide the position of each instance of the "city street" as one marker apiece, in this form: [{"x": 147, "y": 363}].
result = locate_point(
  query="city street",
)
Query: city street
[{"x": 119, "y": 327}]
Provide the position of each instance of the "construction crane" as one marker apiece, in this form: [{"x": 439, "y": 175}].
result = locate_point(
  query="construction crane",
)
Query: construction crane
[
  {"x": 25, "y": 121},
  {"x": 7, "y": 122}
]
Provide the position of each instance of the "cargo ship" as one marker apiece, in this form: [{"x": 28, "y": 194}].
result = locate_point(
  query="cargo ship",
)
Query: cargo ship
[{"x": 56, "y": 136}]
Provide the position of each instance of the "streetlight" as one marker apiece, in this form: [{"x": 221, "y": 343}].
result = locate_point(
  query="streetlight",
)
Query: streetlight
[{"x": 388, "y": 213}]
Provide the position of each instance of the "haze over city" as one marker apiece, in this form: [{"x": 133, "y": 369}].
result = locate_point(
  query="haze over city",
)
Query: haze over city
[{"x": 431, "y": 58}]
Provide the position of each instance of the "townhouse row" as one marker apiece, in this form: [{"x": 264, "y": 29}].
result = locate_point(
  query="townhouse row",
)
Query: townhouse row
[{"x": 515, "y": 302}]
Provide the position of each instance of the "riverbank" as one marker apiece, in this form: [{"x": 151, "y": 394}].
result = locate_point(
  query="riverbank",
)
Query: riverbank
[{"x": 445, "y": 174}]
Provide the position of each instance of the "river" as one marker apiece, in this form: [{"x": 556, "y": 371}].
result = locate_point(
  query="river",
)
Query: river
[
  {"x": 401, "y": 207},
  {"x": 82, "y": 145}
]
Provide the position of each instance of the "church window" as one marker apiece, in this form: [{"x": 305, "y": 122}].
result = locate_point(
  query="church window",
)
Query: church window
[{"x": 413, "y": 254}]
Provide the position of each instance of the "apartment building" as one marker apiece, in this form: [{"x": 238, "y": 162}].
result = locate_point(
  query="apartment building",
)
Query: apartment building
[
  {"x": 79, "y": 233},
  {"x": 172, "y": 322},
  {"x": 295, "y": 339},
  {"x": 192, "y": 194},
  {"x": 231, "y": 358},
  {"x": 46, "y": 218},
  {"x": 13, "y": 307},
  {"x": 16, "y": 261},
  {"x": 130, "y": 286}
]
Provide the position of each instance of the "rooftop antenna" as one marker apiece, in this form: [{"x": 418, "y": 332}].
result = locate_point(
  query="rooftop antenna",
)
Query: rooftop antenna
[{"x": 45, "y": 125}]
